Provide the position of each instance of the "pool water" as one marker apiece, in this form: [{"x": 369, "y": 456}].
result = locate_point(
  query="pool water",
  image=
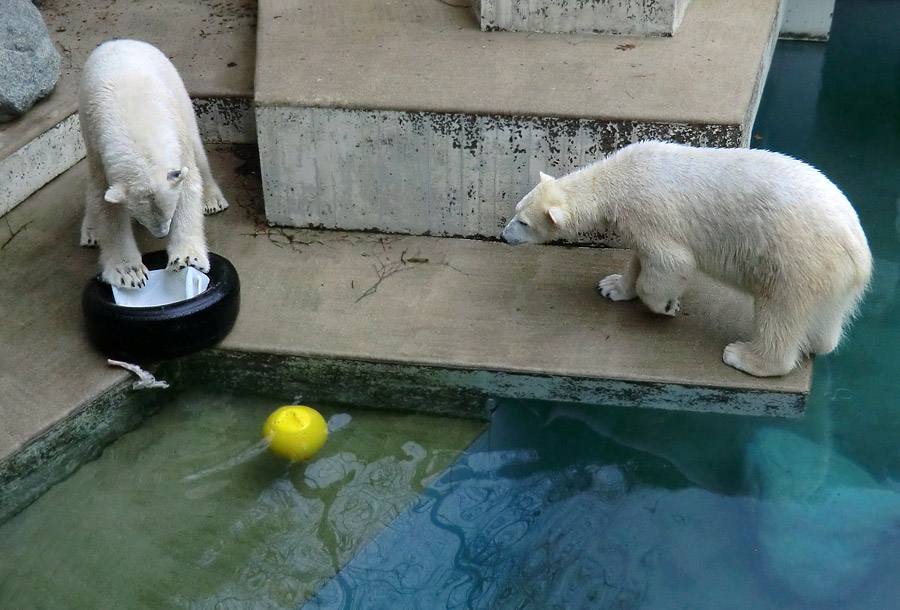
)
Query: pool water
[
  {"x": 192, "y": 511},
  {"x": 552, "y": 506},
  {"x": 565, "y": 507}
]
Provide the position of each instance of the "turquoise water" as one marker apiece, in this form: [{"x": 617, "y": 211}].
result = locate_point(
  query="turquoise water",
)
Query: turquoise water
[{"x": 565, "y": 507}]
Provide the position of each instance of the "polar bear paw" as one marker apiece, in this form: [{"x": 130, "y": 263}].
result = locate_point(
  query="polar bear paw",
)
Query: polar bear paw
[
  {"x": 126, "y": 275},
  {"x": 615, "y": 288},
  {"x": 188, "y": 257},
  {"x": 89, "y": 238},
  {"x": 743, "y": 357},
  {"x": 214, "y": 202}
]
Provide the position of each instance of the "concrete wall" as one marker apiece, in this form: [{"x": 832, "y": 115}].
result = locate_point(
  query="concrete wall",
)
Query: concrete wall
[
  {"x": 430, "y": 173},
  {"x": 632, "y": 17}
]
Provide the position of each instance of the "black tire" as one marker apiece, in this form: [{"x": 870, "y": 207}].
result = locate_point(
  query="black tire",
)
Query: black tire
[{"x": 137, "y": 334}]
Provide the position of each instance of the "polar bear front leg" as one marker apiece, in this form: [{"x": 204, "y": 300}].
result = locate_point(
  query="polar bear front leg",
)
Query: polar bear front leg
[
  {"x": 620, "y": 286},
  {"x": 663, "y": 278},
  {"x": 187, "y": 243},
  {"x": 120, "y": 258}
]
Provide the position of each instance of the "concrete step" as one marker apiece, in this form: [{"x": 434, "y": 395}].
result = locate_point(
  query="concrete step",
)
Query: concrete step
[
  {"x": 632, "y": 17},
  {"x": 406, "y": 118}
]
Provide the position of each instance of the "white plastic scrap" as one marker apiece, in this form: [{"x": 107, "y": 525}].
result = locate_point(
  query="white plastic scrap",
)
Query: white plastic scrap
[{"x": 145, "y": 380}]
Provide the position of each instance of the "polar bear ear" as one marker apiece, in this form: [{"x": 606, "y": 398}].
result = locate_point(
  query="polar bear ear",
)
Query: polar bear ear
[
  {"x": 558, "y": 215},
  {"x": 176, "y": 175},
  {"x": 115, "y": 194},
  {"x": 546, "y": 177}
]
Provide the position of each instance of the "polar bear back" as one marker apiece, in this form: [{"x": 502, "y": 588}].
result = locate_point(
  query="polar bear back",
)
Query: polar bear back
[
  {"x": 735, "y": 209},
  {"x": 133, "y": 105}
]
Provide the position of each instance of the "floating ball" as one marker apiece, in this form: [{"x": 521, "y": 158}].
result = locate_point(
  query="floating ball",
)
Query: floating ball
[{"x": 295, "y": 432}]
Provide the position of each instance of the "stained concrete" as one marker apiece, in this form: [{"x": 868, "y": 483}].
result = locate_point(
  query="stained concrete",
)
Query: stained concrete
[{"x": 633, "y": 17}]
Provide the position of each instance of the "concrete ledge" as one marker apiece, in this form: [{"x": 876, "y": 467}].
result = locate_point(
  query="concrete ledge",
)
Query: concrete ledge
[
  {"x": 632, "y": 17},
  {"x": 24, "y": 171},
  {"x": 41, "y": 160},
  {"x": 409, "y": 119},
  {"x": 53, "y": 456},
  {"x": 457, "y": 392}
]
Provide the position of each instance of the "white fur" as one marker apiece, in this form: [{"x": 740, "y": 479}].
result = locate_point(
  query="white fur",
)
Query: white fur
[
  {"x": 145, "y": 161},
  {"x": 760, "y": 221}
]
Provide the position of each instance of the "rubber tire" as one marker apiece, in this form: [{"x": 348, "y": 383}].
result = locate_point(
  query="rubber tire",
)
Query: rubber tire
[{"x": 137, "y": 334}]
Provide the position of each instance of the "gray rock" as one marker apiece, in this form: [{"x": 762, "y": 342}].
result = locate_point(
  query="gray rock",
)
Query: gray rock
[{"x": 29, "y": 63}]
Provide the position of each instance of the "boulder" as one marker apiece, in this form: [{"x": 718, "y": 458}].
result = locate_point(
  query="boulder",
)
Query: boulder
[{"x": 29, "y": 63}]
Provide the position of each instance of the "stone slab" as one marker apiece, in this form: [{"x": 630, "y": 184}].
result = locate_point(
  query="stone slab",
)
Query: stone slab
[{"x": 426, "y": 56}]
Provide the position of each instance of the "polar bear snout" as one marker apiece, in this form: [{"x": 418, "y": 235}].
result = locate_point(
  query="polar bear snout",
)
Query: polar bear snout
[
  {"x": 161, "y": 229},
  {"x": 515, "y": 233}
]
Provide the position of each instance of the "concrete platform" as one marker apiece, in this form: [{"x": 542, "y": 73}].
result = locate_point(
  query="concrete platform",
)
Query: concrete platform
[
  {"x": 434, "y": 324},
  {"x": 213, "y": 46},
  {"x": 445, "y": 303},
  {"x": 406, "y": 118}
]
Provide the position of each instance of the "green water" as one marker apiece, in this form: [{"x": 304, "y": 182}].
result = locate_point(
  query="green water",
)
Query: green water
[{"x": 184, "y": 513}]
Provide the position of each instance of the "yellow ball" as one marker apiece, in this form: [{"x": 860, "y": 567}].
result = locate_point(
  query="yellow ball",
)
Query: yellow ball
[{"x": 295, "y": 432}]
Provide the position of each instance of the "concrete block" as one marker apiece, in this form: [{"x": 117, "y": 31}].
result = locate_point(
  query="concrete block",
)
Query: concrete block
[
  {"x": 421, "y": 173},
  {"x": 807, "y": 19},
  {"x": 628, "y": 17},
  {"x": 228, "y": 120},
  {"x": 407, "y": 118}
]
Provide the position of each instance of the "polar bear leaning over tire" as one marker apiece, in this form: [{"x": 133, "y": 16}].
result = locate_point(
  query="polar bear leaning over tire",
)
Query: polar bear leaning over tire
[
  {"x": 767, "y": 224},
  {"x": 145, "y": 162}
]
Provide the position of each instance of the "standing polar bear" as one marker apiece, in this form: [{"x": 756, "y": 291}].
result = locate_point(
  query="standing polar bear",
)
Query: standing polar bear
[
  {"x": 145, "y": 162},
  {"x": 762, "y": 222}
]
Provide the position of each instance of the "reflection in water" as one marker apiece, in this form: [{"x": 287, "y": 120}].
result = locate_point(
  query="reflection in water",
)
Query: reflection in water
[{"x": 508, "y": 526}]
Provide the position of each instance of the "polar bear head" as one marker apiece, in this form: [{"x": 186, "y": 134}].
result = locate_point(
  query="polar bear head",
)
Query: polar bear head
[
  {"x": 151, "y": 201},
  {"x": 541, "y": 216}
]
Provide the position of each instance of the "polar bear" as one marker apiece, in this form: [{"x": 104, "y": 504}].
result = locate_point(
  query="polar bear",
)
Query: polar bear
[
  {"x": 145, "y": 162},
  {"x": 765, "y": 223}
]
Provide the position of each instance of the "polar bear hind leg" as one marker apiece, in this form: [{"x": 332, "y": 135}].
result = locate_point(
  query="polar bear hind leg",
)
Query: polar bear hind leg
[
  {"x": 827, "y": 328},
  {"x": 213, "y": 199},
  {"x": 780, "y": 332}
]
